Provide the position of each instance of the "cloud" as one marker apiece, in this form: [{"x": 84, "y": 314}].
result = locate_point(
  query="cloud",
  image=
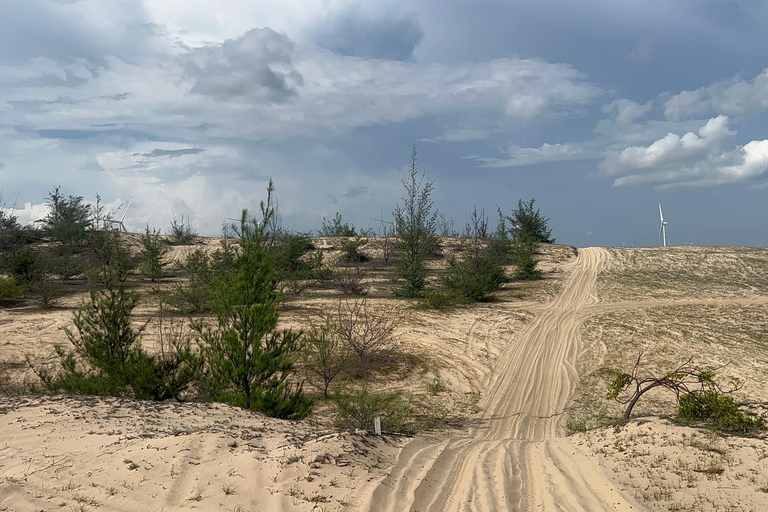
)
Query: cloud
[
  {"x": 626, "y": 111},
  {"x": 256, "y": 66},
  {"x": 546, "y": 153},
  {"x": 353, "y": 192},
  {"x": 172, "y": 152},
  {"x": 732, "y": 97},
  {"x": 643, "y": 52},
  {"x": 463, "y": 134},
  {"x": 705, "y": 158},
  {"x": 383, "y": 37}
]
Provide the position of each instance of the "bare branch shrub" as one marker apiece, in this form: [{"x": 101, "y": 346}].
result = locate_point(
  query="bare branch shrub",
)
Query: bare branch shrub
[
  {"x": 325, "y": 356},
  {"x": 350, "y": 281},
  {"x": 368, "y": 329}
]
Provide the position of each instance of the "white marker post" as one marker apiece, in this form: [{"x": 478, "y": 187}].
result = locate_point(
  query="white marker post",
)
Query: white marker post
[{"x": 377, "y": 425}]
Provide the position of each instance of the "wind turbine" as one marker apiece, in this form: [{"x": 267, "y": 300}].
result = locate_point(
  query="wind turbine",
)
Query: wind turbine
[
  {"x": 663, "y": 228},
  {"x": 119, "y": 223}
]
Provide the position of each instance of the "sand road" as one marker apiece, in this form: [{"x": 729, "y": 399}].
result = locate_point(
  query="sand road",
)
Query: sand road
[{"x": 515, "y": 458}]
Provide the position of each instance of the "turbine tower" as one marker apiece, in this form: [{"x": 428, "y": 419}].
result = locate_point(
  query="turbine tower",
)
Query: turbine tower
[{"x": 662, "y": 229}]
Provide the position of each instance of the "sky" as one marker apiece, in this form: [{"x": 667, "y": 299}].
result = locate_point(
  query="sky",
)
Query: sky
[{"x": 598, "y": 109}]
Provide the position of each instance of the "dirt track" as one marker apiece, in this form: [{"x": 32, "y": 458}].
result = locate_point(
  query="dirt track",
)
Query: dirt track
[{"x": 513, "y": 459}]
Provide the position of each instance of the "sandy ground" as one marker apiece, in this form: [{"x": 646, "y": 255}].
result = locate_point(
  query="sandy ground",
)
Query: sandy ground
[{"x": 535, "y": 367}]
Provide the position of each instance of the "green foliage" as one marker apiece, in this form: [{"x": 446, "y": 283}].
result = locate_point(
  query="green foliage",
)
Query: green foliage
[
  {"x": 336, "y": 228},
  {"x": 194, "y": 295},
  {"x": 528, "y": 223},
  {"x": 290, "y": 259},
  {"x": 108, "y": 359},
  {"x": 68, "y": 219},
  {"x": 357, "y": 410},
  {"x": 619, "y": 383},
  {"x": 181, "y": 232},
  {"x": 351, "y": 251},
  {"x": 248, "y": 360},
  {"x": 9, "y": 289},
  {"x": 720, "y": 410},
  {"x": 152, "y": 251},
  {"x": 474, "y": 278},
  {"x": 415, "y": 227},
  {"x": 434, "y": 299},
  {"x": 523, "y": 251}
]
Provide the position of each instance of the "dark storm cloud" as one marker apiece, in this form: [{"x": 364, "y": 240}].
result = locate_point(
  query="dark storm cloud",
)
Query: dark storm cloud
[
  {"x": 384, "y": 38},
  {"x": 256, "y": 67},
  {"x": 172, "y": 152}
]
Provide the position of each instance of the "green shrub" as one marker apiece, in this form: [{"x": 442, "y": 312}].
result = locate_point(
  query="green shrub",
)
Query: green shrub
[
  {"x": 151, "y": 261},
  {"x": 720, "y": 410},
  {"x": 181, "y": 232},
  {"x": 336, "y": 228},
  {"x": 194, "y": 295},
  {"x": 474, "y": 278},
  {"x": 357, "y": 410},
  {"x": 9, "y": 289},
  {"x": 351, "y": 251},
  {"x": 68, "y": 219},
  {"x": 248, "y": 361},
  {"x": 434, "y": 299}
]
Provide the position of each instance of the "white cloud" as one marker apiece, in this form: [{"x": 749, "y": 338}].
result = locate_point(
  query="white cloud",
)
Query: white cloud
[
  {"x": 626, "y": 111},
  {"x": 705, "y": 158},
  {"x": 463, "y": 134},
  {"x": 546, "y": 153},
  {"x": 732, "y": 97}
]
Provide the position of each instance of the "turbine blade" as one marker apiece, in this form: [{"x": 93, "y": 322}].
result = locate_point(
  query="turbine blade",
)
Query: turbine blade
[
  {"x": 126, "y": 210},
  {"x": 661, "y": 214}
]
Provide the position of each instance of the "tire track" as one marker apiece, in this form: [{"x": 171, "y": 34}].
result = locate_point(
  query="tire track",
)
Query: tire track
[{"x": 498, "y": 466}]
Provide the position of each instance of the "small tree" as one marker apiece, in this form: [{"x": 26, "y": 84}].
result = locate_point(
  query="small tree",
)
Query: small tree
[
  {"x": 152, "y": 251},
  {"x": 336, "y": 228},
  {"x": 529, "y": 224},
  {"x": 481, "y": 271},
  {"x": 248, "y": 360},
  {"x": 415, "y": 227},
  {"x": 68, "y": 219},
  {"x": 325, "y": 356},
  {"x": 699, "y": 396},
  {"x": 368, "y": 330},
  {"x": 181, "y": 231}
]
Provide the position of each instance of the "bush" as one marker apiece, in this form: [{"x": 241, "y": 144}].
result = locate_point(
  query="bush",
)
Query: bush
[
  {"x": 181, "y": 232},
  {"x": 350, "y": 281},
  {"x": 9, "y": 289},
  {"x": 335, "y": 228},
  {"x": 713, "y": 407},
  {"x": 196, "y": 294},
  {"x": 68, "y": 219},
  {"x": 247, "y": 359},
  {"x": 152, "y": 251},
  {"x": 474, "y": 278},
  {"x": 351, "y": 251},
  {"x": 528, "y": 223},
  {"x": 357, "y": 410},
  {"x": 325, "y": 357},
  {"x": 108, "y": 359},
  {"x": 415, "y": 226},
  {"x": 368, "y": 330}
]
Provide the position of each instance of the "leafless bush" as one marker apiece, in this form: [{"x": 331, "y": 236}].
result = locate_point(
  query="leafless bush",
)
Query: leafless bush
[
  {"x": 350, "y": 281},
  {"x": 325, "y": 356},
  {"x": 367, "y": 329}
]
